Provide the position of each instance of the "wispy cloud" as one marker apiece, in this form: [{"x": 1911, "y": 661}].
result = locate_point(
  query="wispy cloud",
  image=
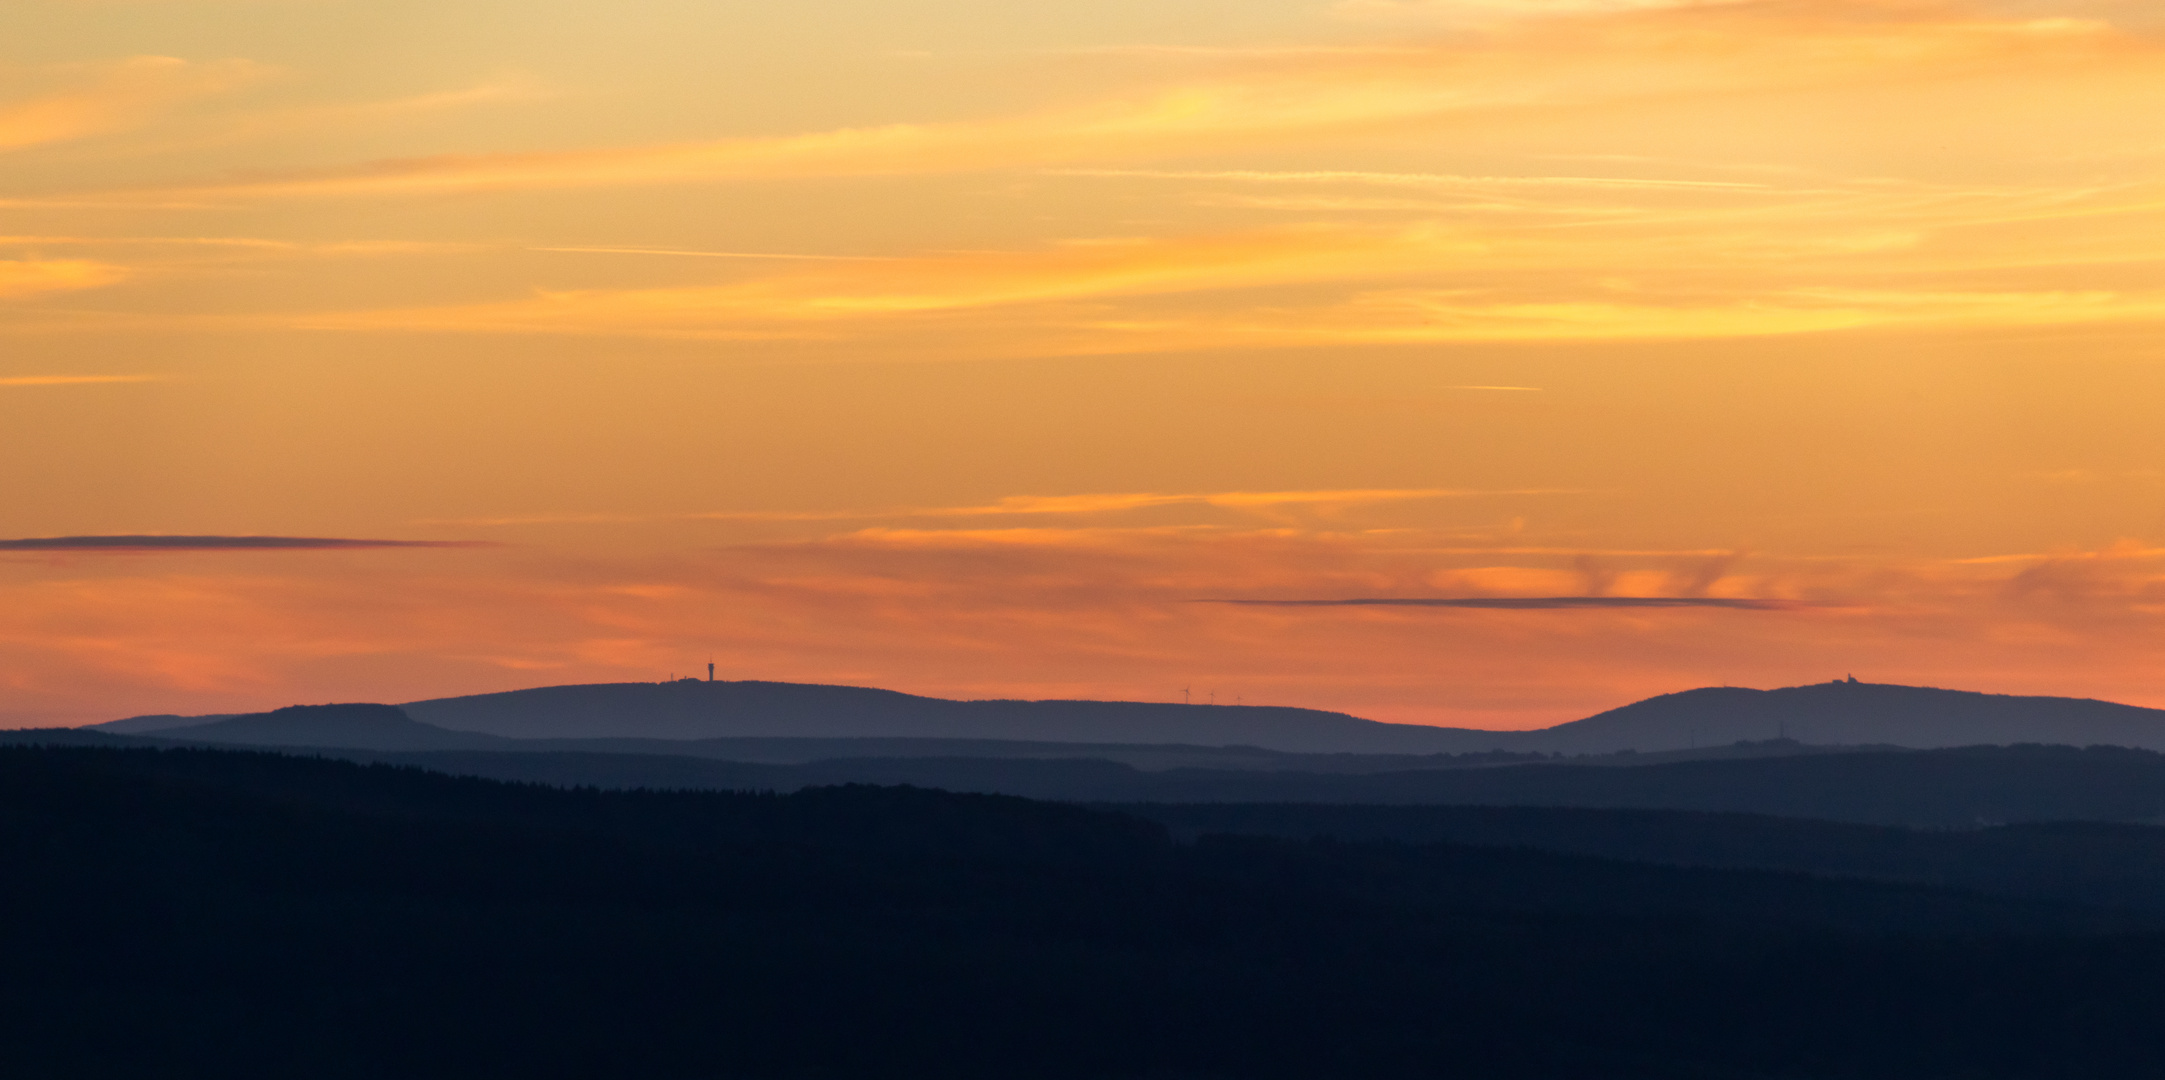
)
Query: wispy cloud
[
  {"x": 1670, "y": 251},
  {"x": 1048, "y": 505},
  {"x": 1601, "y": 312},
  {"x": 73, "y": 380},
  {"x": 25, "y": 277},
  {"x": 1244, "y": 500},
  {"x": 152, "y": 543},
  {"x": 255, "y": 244},
  {"x": 115, "y": 97},
  {"x": 1244, "y": 52},
  {"x": 1075, "y": 269},
  {"x": 2123, "y": 550},
  {"x": 134, "y": 241},
  {"x": 1416, "y": 180},
  {"x": 786, "y": 256},
  {"x": 1534, "y": 603},
  {"x": 1455, "y": 12},
  {"x": 1626, "y": 266},
  {"x": 1686, "y": 51},
  {"x": 492, "y": 92}
]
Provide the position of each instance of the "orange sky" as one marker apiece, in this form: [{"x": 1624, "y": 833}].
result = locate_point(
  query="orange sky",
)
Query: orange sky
[{"x": 974, "y": 349}]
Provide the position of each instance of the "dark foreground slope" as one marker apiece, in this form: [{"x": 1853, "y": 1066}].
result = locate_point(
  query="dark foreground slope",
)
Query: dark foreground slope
[
  {"x": 2088, "y": 862},
  {"x": 208, "y": 913}
]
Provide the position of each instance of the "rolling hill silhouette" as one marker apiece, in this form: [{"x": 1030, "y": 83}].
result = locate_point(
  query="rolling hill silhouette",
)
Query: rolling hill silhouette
[
  {"x": 354, "y": 727},
  {"x": 1851, "y": 713},
  {"x": 1826, "y": 714},
  {"x": 700, "y": 710},
  {"x": 144, "y": 725},
  {"x": 1837, "y": 713}
]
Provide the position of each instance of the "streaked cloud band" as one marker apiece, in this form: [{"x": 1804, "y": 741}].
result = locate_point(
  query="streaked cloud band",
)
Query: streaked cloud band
[
  {"x": 1535, "y": 603},
  {"x": 220, "y": 543}
]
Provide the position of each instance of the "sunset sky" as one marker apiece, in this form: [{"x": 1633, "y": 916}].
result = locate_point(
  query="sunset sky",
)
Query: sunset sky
[{"x": 985, "y": 349}]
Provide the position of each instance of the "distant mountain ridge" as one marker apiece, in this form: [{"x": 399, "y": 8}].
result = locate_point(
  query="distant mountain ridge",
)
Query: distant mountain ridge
[
  {"x": 144, "y": 725},
  {"x": 1843, "y": 713},
  {"x": 1848, "y": 713},
  {"x": 703, "y": 710},
  {"x": 1834, "y": 713},
  {"x": 349, "y": 727}
]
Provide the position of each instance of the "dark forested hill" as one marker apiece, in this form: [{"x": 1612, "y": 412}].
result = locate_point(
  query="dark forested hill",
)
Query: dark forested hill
[
  {"x": 2121, "y": 865},
  {"x": 210, "y": 913},
  {"x": 1959, "y": 788}
]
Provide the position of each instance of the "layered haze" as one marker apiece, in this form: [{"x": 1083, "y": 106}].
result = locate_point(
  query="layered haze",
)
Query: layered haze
[{"x": 1485, "y": 363}]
